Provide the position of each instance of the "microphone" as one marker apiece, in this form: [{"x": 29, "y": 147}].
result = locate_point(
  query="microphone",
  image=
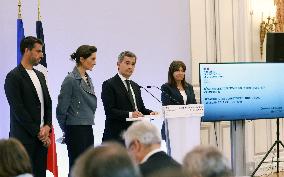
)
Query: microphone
[
  {"x": 169, "y": 96},
  {"x": 150, "y": 93}
]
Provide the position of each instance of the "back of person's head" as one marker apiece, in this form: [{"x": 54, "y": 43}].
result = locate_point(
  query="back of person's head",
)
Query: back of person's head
[
  {"x": 143, "y": 131},
  {"x": 107, "y": 160},
  {"x": 206, "y": 161},
  {"x": 14, "y": 159}
]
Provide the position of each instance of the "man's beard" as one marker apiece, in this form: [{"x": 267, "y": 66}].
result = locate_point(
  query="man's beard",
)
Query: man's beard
[{"x": 35, "y": 62}]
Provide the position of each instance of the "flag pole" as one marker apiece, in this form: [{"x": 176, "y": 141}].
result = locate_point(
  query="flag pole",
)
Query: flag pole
[
  {"x": 38, "y": 10},
  {"x": 19, "y": 9},
  {"x": 20, "y": 31},
  {"x": 51, "y": 154}
]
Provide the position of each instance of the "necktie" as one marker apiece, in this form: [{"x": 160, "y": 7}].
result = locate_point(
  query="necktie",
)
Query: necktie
[{"x": 130, "y": 95}]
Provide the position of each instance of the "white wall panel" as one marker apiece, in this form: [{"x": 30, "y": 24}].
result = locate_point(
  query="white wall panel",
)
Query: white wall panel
[{"x": 225, "y": 31}]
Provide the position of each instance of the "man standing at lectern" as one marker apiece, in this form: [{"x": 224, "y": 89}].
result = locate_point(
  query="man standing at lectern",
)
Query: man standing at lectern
[{"x": 122, "y": 98}]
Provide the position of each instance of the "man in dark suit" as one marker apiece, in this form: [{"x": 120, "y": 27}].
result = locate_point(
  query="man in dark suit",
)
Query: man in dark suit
[
  {"x": 122, "y": 98},
  {"x": 143, "y": 141},
  {"x": 30, "y": 105}
]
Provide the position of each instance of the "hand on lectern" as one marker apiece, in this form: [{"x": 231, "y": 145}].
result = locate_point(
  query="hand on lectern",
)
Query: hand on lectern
[
  {"x": 154, "y": 113},
  {"x": 136, "y": 114}
]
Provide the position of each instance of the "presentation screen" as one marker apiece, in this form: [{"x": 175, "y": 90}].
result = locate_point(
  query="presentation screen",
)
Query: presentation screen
[{"x": 238, "y": 91}]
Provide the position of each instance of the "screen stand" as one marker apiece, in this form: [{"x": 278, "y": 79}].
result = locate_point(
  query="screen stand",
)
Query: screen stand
[
  {"x": 238, "y": 153},
  {"x": 276, "y": 143}
]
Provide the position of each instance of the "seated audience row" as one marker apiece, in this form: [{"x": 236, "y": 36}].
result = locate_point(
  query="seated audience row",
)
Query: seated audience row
[
  {"x": 143, "y": 143},
  {"x": 141, "y": 157}
]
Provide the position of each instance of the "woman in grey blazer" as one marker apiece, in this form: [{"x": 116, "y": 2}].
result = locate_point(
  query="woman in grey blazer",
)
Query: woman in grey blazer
[{"x": 77, "y": 104}]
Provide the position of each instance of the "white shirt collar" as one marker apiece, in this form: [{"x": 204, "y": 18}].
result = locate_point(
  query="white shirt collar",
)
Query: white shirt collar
[
  {"x": 122, "y": 77},
  {"x": 149, "y": 155}
]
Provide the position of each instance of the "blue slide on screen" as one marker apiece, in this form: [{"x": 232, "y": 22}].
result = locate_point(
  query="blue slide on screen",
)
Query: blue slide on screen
[{"x": 238, "y": 91}]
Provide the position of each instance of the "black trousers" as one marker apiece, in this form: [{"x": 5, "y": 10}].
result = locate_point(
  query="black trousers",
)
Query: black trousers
[
  {"x": 38, "y": 156},
  {"x": 78, "y": 139}
]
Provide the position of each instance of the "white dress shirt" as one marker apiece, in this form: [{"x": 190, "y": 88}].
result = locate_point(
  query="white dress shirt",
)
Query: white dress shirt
[
  {"x": 131, "y": 89},
  {"x": 39, "y": 92}
]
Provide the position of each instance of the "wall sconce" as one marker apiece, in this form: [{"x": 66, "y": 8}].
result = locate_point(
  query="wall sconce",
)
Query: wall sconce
[
  {"x": 266, "y": 26},
  {"x": 272, "y": 24}
]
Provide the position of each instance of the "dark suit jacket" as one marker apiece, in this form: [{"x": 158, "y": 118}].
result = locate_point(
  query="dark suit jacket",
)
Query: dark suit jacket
[
  {"x": 25, "y": 107},
  {"x": 158, "y": 161},
  {"x": 117, "y": 106},
  {"x": 172, "y": 96}
]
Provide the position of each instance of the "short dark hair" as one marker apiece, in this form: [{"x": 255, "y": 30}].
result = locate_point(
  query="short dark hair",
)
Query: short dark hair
[
  {"x": 29, "y": 42},
  {"x": 174, "y": 66},
  {"x": 126, "y": 54},
  {"x": 14, "y": 159},
  {"x": 109, "y": 160},
  {"x": 83, "y": 51}
]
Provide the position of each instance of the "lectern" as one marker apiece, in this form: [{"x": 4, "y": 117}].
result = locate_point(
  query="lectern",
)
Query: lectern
[{"x": 182, "y": 128}]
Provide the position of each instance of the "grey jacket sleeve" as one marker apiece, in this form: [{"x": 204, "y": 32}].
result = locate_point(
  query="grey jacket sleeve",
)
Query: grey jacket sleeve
[{"x": 64, "y": 101}]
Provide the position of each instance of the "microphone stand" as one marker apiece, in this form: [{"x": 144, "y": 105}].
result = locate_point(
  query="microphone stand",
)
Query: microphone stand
[
  {"x": 151, "y": 94},
  {"x": 165, "y": 121},
  {"x": 171, "y": 98}
]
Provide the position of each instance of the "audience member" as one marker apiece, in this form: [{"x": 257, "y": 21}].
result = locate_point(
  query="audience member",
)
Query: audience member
[
  {"x": 143, "y": 141},
  {"x": 107, "y": 160},
  {"x": 206, "y": 161},
  {"x": 14, "y": 159}
]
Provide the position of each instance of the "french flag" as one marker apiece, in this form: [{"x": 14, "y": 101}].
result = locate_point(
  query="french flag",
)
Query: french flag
[{"x": 42, "y": 67}]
